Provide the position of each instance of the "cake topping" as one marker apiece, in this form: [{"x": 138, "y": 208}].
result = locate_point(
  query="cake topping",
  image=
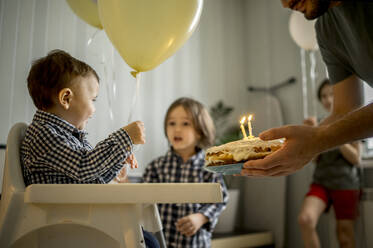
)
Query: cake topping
[{"x": 241, "y": 150}]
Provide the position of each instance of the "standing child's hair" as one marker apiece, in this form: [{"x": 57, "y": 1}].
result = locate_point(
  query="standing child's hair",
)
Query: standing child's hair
[
  {"x": 202, "y": 121},
  {"x": 50, "y": 74}
]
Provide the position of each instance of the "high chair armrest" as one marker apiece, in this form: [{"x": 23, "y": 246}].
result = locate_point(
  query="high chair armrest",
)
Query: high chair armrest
[{"x": 128, "y": 193}]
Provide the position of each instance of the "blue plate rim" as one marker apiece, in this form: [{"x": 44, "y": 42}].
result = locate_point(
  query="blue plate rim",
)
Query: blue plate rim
[{"x": 222, "y": 167}]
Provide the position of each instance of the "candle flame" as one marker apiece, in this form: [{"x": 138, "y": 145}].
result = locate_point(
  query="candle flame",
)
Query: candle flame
[
  {"x": 250, "y": 117},
  {"x": 243, "y": 120}
]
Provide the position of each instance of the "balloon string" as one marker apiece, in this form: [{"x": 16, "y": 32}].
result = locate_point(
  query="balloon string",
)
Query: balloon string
[
  {"x": 313, "y": 82},
  {"x": 106, "y": 80},
  {"x": 134, "y": 98},
  {"x": 92, "y": 37},
  {"x": 304, "y": 83}
]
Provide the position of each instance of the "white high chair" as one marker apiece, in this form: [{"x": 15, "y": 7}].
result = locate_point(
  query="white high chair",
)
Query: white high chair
[{"x": 85, "y": 215}]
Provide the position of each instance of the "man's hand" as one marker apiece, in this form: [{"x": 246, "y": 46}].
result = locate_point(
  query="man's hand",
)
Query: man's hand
[
  {"x": 190, "y": 224},
  {"x": 136, "y": 131},
  {"x": 300, "y": 147}
]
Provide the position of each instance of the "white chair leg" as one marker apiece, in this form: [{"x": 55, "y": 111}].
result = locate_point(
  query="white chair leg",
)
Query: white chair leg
[
  {"x": 151, "y": 220},
  {"x": 132, "y": 231}
]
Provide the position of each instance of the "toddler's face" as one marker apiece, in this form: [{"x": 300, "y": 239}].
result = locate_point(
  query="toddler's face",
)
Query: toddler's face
[
  {"x": 180, "y": 130},
  {"x": 82, "y": 107}
]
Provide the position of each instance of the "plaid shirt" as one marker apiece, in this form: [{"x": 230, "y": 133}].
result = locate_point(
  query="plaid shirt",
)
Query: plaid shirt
[
  {"x": 54, "y": 151},
  {"x": 170, "y": 169}
]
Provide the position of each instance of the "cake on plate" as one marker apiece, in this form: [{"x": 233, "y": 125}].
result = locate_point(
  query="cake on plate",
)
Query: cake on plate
[{"x": 240, "y": 151}]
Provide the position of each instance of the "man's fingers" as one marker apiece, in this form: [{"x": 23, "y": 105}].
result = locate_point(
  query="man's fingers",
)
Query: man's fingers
[
  {"x": 275, "y": 171},
  {"x": 263, "y": 164},
  {"x": 275, "y": 133}
]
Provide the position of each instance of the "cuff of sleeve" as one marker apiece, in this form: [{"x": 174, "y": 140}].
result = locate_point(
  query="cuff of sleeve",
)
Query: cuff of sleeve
[
  {"x": 210, "y": 224},
  {"x": 124, "y": 140}
]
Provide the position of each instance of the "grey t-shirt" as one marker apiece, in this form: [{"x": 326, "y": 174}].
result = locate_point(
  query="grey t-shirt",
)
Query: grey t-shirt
[
  {"x": 333, "y": 171},
  {"x": 345, "y": 37}
]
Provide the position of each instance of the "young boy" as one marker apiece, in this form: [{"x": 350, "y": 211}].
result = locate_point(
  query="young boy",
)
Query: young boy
[{"x": 55, "y": 149}]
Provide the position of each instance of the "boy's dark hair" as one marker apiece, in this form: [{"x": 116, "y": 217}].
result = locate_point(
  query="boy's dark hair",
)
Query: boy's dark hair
[
  {"x": 49, "y": 74},
  {"x": 321, "y": 86},
  {"x": 201, "y": 118}
]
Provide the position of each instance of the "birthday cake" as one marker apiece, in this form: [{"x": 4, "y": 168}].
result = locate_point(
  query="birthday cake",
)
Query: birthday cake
[{"x": 241, "y": 151}]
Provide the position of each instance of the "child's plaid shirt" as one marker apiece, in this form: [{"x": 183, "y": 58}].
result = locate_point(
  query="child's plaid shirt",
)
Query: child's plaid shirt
[
  {"x": 171, "y": 169},
  {"x": 55, "y": 152}
]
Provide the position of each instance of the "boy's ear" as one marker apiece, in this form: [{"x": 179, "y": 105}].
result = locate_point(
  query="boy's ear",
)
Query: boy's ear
[{"x": 64, "y": 97}]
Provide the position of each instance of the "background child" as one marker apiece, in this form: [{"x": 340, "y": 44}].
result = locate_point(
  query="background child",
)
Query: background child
[
  {"x": 188, "y": 128},
  {"x": 335, "y": 182}
]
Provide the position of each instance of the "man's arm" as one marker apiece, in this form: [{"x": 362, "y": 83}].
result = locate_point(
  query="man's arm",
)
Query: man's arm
[{"x": 304, "y": 142}]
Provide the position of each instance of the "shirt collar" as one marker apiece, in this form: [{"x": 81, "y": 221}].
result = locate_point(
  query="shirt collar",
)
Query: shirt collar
[
  {"x": 42, "y": 116},
  {"x": 195, "y": 159}
]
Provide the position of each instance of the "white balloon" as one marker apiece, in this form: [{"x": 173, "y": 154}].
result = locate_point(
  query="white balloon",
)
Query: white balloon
[{"x": 303, "y": 31}]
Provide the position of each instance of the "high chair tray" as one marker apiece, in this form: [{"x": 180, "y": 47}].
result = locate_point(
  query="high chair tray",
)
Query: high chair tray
[
  {"x": 227, "y": 169},
  {"x": 125, "y": 193}
]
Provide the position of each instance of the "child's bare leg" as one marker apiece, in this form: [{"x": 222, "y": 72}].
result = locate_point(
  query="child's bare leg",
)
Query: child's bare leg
[
  {"x": 346, "y": 233},
  {"x": 308, "y": 217}
]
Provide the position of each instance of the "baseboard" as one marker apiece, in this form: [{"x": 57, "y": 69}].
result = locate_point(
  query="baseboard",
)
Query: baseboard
[{"x": 243, "y": 240}]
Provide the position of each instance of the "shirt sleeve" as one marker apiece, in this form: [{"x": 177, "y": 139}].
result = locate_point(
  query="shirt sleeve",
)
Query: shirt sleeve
[
  {"x": 150, "y": 175},
  {"x": 82, "y": 164},
  {"x": 338, "y": 69},
  {"x": 212, "y": 211}
]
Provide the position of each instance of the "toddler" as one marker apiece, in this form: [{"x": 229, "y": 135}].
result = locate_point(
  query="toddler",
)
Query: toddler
[{"x": 55, "y": 148}]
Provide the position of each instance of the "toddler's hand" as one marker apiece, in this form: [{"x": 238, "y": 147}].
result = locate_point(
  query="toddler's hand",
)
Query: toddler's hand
[
  {"x": 136, "y": 131},
  {"x": 190, "y": 224},
  {"x": 131, "y": 160}
]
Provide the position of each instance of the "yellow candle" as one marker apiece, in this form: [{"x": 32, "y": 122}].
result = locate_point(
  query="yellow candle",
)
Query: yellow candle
[
  {"x": 243, "y": 128},
  {"x": 250, "y": 127}
]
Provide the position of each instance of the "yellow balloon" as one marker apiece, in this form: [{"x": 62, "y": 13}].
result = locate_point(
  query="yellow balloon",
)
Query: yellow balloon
[
  {"x": 86, "y": 10},
  {"x": 147, "y": 32}
]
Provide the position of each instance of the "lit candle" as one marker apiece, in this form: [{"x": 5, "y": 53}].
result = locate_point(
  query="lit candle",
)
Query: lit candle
[
  {"x": 249, "y": 125},
  {"x": 243, "y": 128}
]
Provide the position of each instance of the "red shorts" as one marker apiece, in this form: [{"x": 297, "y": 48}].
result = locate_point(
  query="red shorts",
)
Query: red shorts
[{"x": 345, "y": 202}]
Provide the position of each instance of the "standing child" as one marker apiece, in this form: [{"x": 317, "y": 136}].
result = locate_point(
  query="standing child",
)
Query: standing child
[
  {"x": 189, "y": 129},
  {"x": 335, "y": 183}
]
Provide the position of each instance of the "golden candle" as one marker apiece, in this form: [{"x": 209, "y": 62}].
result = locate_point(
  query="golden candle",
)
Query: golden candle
[
  {"x": 243, "y": 128},
  {"x": 249, "y": 126}
]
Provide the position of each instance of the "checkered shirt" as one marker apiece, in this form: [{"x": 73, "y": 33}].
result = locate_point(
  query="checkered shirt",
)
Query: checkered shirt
[
  {"x": 55, "y": 152},
  {"x": 171, "y": 169}
]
